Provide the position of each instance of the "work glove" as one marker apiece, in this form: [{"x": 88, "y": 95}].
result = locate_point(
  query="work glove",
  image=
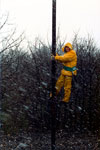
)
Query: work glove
[
  {"x": 57, "y": 54},
  {"x": 52, "y": 57}
]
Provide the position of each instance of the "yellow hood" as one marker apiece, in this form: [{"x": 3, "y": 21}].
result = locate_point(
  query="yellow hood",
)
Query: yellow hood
[{"x": 68, "y": 45}]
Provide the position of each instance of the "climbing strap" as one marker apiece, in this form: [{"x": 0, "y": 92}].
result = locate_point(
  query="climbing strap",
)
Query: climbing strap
[{"x": 69, "y": 68}]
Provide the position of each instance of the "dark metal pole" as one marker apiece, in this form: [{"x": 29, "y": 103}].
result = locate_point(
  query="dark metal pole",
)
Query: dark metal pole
[
  {"x": 0, "y": 88},
  {"x": 53, "y": 105}
]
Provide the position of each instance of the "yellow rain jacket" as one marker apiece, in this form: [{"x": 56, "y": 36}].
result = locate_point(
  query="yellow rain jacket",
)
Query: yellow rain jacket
[{"x": 69, "y": 61}]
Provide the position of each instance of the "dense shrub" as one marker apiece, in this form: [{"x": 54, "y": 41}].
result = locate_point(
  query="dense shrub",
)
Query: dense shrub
[{"x": 26, "y": 81}]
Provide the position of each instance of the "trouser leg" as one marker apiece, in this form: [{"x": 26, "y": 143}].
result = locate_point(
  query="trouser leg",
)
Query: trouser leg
[
  {"x": 67, "y": 88},
  {"x": 59, "y": 84}
]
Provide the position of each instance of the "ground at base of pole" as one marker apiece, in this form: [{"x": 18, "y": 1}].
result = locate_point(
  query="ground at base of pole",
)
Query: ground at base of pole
[{"x": 37, "y": 141}]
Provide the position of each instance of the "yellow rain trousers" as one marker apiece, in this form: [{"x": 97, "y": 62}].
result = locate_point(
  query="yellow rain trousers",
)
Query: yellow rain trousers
[
  {"x": 69, "y": 59},
  {"x": 66, "y": 82}
]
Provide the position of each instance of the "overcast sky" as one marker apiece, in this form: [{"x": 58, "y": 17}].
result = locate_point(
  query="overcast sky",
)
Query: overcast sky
[{"x": 35, "y": 17}]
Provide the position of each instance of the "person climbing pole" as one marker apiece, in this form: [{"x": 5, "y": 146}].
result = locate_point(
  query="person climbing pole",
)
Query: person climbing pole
[{"x": 69, "y": 61}]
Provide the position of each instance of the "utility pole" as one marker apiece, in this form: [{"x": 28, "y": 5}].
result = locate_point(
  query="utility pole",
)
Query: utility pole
[
  {"x": 0, "y": 87},
  {"x": 53, "y": 103}
]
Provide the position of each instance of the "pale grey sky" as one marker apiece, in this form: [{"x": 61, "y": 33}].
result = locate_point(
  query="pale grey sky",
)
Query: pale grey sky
[{"x": 35, "y": 17}]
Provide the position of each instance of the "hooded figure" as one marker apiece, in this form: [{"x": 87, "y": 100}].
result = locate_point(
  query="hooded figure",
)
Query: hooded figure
[{"x": 69, "y": 61}]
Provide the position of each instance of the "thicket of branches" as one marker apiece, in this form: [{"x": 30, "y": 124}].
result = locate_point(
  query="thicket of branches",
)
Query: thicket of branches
[
  {"x": 26, "y": 78},
  {"x": 26, "y": 85}
]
